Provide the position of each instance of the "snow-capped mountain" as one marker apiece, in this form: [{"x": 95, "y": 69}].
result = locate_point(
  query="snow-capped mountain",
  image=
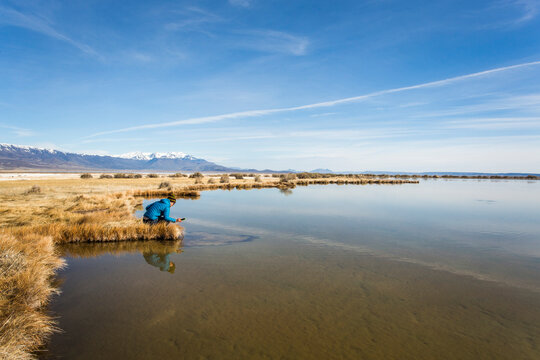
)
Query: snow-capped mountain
[
  {"x": 25, "y": 148},
  {"x": 15, "y": 157},
  {"x": 137, "y": 155}
]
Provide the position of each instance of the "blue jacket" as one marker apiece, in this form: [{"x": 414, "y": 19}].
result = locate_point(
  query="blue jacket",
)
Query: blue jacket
[{"x": 159, "y": 209}]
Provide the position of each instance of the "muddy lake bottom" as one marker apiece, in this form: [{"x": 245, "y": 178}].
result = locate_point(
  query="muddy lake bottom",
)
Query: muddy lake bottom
[{"x": 436, "y": 270}]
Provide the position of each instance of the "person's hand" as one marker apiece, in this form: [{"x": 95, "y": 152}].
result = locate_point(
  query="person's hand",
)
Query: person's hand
[{"x": 178, "y": 220}]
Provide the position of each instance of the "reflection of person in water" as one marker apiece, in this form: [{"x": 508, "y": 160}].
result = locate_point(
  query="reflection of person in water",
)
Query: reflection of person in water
[{"x": 160, "y": 261}]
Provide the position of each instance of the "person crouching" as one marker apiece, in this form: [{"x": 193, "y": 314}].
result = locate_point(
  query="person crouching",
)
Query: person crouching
[{"x": 158, "y": 211}]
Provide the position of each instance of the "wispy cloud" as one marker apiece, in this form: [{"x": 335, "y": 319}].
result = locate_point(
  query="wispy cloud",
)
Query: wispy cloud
[
  {"x": 522, "y": 103},
  {"x": 529, "y": 8},
  {"x": 503, "y": 14},
  {"x": 193, "y": 19},
  {"x": 257, "y": 113},
  {"x": 12, "y": 17},
  {"x": 271, "y": 41},
  {"x": 495, "y": 123},
  {"x": 18, "y": 131},
  {"x": 240, "y": 3}
]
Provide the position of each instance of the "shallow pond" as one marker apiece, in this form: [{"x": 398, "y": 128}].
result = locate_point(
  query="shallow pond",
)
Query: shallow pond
[{"x": 436, "y": 270}]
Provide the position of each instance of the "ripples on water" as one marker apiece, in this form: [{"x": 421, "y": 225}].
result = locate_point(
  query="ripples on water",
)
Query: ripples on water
[{"x": 438, "y": 270}]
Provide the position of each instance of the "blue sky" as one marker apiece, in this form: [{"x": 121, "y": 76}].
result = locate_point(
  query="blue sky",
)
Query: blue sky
[{"x": 345, "y": 85}]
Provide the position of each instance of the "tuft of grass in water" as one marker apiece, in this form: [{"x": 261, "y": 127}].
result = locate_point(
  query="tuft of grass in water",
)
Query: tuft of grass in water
[{"x": 86, "y": 176}]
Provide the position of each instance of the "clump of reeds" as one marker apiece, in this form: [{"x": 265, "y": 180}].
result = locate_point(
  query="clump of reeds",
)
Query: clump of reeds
[
  {"x": 258, "y": 178},
  {"x": 89, "y": 231},
  {"x": 198, "y": 181},
  {"x": 224, "y": 179},
  {"x": 238, "y": 176},
  {"x": 177, "y": 175},
  {"x": 105, "y": 176},
  {"x": 86, "y": 176},
  {"x": 211, "y": 181},
  {"x": 165, "y": 192},
  {"x": 152, "y": 175},
  {"x": 196, "y": 175},
  {"x": 27, "y": 264},
  {"x": 33, "y": 190},
  {"x": 165, "y": 185}
]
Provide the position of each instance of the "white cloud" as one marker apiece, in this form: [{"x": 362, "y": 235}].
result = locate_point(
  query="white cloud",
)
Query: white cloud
[
  {"x": 262, "y": 112},
  {"x": 240, "y": 3},
  {"x": 11, "y": 17},
  {"x": 529, "y": 8},
  {"x": 192, "y": 19},
  {"x": 271, "y": 41},
  {"x": 18, "y": 131}
]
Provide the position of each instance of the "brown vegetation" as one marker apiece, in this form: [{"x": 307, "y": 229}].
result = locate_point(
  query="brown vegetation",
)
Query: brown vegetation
[
  {"x": 33, "y": 190},
  {"x": 196, "y": 175},
  {"x": 27, "y": 264},
  {"x": 165, "y": 185}
]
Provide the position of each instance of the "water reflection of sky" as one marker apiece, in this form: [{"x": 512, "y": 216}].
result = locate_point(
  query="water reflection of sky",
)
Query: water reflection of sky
[{"x": 472, "y": 213}]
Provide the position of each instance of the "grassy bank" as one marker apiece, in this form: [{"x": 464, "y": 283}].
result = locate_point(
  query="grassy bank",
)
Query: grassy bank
[
  {"x": 27, "y": 265},
  {"x": 39, "y": 215}
]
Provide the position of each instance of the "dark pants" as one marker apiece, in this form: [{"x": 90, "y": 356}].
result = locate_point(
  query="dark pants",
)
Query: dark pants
[{"x": 159, "y": 220}]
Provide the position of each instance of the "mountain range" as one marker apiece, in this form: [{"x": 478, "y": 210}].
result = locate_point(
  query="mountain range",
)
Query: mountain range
[{"x": 17, "y": 157}]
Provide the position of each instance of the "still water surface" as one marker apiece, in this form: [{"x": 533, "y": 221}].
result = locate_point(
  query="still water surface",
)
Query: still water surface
[{"x": 436, "y": 270}]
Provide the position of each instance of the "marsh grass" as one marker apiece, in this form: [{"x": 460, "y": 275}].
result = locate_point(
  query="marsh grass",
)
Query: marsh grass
[
  {"x": 27, "y": 265},
  {"x": 35, "y": 189},
  {"x": 224, "y": 179},
  {"x": 165, "y": 185},
  {"x": 196, "y": 175}
]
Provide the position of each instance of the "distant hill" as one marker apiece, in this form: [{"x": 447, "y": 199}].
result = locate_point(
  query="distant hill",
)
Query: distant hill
[
  {"x": 15, "y": 157},
  {"x": 321, "y": 171}
]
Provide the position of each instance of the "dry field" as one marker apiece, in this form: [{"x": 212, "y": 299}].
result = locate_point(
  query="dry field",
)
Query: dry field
[{"x": 38, "y": 214}]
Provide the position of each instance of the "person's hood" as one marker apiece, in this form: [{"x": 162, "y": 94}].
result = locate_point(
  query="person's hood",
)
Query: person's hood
[{"x": 166, "y": 201}]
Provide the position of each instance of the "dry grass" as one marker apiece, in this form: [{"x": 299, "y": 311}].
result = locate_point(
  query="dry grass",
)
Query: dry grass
[{"x": 27, "y": 264}]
